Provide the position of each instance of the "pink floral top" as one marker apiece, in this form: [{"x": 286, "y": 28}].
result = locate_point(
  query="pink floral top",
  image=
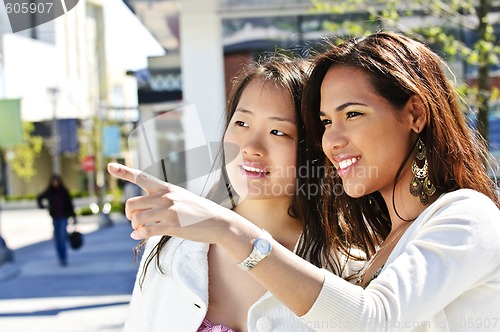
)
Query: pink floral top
[{"x": 207, "y": 327}]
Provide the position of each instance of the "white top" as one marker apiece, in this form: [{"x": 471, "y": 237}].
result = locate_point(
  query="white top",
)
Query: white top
[
  {"x": 443, "y": 275},
  {"x": 178, "y": 299}
]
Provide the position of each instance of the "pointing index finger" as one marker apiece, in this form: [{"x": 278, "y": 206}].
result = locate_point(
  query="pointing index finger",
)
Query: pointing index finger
[{"x": 147, "y": 182}]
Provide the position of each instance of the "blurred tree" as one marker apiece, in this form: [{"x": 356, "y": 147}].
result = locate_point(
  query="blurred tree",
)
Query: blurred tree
[
  {"x": 442, "y": 24},
  {"x": 26, "y": 153}
]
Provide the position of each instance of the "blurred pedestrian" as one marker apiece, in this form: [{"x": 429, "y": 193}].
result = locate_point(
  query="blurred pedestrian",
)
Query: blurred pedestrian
[{"x": 60, "y": 205}]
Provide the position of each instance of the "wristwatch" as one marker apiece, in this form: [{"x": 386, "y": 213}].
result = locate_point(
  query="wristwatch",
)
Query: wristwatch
[{"x": 261, "y": 248}]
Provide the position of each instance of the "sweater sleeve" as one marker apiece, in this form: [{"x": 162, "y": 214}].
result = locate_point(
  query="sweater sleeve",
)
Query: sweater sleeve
[
  {"x": 450, "y": 249},
  {"x": 40, "y": 198},
  {"x": 69, "y": 205}
]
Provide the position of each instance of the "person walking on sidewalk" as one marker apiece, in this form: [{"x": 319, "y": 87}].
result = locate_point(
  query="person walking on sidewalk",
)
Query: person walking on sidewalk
[{"x": 60, "y": 205}]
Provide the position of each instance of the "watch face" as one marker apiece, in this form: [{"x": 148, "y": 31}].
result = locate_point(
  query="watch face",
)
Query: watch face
[{"x": 263, "y": 245}]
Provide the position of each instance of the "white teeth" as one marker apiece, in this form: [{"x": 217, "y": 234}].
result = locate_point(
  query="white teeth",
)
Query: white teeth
[
  {"x": 252, "y": 169},
  {"x": 346, "y": 163}
]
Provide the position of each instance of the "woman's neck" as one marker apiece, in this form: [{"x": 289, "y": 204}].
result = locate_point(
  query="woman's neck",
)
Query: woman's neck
[
  {"x": 272, "y": 215},
  {"x": 402, "y": 205}
]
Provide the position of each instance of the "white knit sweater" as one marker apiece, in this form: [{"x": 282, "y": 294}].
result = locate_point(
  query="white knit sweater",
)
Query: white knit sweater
[
  {"x": 443, "y": 275},
  {"x": 178, "y": 299}
]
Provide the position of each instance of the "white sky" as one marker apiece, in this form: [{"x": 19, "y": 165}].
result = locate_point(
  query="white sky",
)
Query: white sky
[{"x": 128, "y": 42}]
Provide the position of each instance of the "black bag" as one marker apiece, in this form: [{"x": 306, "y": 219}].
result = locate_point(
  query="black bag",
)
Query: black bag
[
  {"x": 75, "y": 237},
  {"x": 75, "y": 240}
]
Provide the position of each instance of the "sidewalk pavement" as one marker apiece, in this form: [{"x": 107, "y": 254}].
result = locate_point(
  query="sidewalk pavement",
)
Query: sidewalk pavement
[{"x": 90, "y": 294}]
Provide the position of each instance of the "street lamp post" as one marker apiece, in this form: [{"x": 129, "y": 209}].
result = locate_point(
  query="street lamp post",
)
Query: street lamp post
[{"x": 56, "y": 153}]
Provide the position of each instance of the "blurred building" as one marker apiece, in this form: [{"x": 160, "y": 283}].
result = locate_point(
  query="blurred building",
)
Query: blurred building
[
  {"x": 207, "y": 42},
  {"x": 68, "y": 88}
]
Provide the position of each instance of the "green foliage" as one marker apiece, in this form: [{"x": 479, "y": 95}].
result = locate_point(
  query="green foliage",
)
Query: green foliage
[
  {"x": 117, "y": 207},
  {"x": 86, "y": 211},
  {"x": 15, "y": 198},
  {"x": 83, "y": 211},
  {"x": 26, "y": 153}
]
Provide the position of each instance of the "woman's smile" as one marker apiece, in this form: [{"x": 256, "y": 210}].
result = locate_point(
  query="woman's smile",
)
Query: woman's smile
[
  {"x": 253, "y": 171},
  {"x": 345, "y": 164}
]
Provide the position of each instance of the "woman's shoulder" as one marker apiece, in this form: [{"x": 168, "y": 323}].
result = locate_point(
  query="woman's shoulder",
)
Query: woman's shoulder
[
  {"x": 467, "y": 194},
  {"x": 463, "y": 214},
  {"x": 466, "y": 202}
]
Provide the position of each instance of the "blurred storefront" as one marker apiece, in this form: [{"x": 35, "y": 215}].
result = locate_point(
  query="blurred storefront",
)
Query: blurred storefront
[
  {"x": 70, "y": 90},
  {"x": 210, "y": 38}
]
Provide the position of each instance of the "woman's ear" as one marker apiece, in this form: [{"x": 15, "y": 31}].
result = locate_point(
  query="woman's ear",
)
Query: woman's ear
[{"x": 418, "y": 114}]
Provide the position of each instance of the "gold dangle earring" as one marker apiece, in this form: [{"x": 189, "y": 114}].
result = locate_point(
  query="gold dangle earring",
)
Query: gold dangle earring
[{"x": 421, "y": 184}]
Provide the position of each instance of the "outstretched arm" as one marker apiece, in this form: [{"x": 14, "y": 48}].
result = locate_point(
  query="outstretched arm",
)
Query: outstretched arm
[
  {"x": 40, "y": 198},
  {"x": 459, "y": 231},
  {"x": 170, "y": 210}
]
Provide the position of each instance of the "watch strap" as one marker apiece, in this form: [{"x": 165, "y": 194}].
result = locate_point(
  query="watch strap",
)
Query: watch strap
[{"x": 255, "y": 256}]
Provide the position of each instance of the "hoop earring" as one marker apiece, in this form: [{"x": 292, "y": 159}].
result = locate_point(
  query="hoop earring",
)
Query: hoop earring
[{"x": 421, "y": 185}]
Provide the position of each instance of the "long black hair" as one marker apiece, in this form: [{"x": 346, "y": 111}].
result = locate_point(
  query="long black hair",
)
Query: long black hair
[{"x": 61, "y": 186}]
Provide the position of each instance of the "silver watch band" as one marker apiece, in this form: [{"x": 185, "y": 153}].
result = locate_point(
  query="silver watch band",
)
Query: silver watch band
[
  {"x": 256, "y": 256},
  {"x": 249, "y": 263}
]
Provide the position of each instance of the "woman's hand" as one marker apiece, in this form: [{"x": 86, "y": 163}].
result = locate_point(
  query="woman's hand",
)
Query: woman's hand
[{"x": 170, "y": 210}]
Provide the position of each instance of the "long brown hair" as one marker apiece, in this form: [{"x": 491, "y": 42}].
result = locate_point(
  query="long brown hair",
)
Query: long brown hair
[
  {"x": 288, "y": 74},
  {"x": 399, "y": 68}
]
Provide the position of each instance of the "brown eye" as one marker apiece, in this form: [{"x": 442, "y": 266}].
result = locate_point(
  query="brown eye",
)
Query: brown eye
[
  {"x": 241, "y": 124},
  {"x": 352, "y": 114},
  {"x": 277, "y": 132}
]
